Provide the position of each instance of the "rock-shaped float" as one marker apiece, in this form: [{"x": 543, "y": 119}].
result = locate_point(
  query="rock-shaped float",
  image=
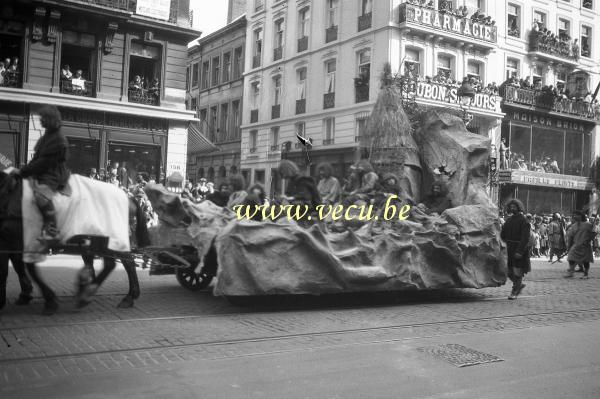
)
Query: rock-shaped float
[{"x": 460, "y": 248}]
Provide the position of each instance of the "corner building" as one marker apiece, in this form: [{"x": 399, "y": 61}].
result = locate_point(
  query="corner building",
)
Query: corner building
[
  {"x": 541, "y": 129},
  {"x": 314, "y": 67},
  {"x": 106, "y": 117}
]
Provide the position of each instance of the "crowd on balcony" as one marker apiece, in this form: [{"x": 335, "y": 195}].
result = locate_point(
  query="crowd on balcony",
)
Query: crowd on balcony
[
  {"x": 555, "y": 94},
  {"x": 544, "y": 164},
  {"x": 142, "y": 91},
  {"x": 561, "y": 45},
  {"x": 443, "y": 77},
  {"x": 73, "y": 83},
  {"x": 460, "y": 12},
  {"x": 10, "y": 72}
]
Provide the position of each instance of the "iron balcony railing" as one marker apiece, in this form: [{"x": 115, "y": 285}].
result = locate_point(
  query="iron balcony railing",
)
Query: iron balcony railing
[
  {"x": 277, "y": 53},
  {"x": 301, "y": 106},
  {"x": 362, "y": 93},
  {"x": 539, "y": 42},
  {"x": 144, "y": 96},
  {"x": 275, "y": 111},
  {"x": 550, "y": 102},
  {"x": 364, "y": 21},
  {"x": 331, "y": 34},
  {"x": 85, "y": 89},
  {"x": 11, "y": 79},
  {"x": 328, "y": 100}
]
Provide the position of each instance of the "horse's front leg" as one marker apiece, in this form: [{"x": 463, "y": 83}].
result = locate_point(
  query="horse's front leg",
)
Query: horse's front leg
[
  {"x": 50, "y": 306},
  {"x": 134, "y": 285},
  {"x": 85, "y": 295}
]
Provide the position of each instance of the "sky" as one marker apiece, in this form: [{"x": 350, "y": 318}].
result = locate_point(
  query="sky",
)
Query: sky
[{"x": 209, "y": 15}]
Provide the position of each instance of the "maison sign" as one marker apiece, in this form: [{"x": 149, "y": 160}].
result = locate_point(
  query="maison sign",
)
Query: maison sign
[
  {"x": 441, "y": 92},
  {"x": 447, "y": 22},
  {"x": 159, "y": 9}
]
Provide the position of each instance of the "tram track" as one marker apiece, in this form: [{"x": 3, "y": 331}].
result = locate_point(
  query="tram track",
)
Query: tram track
[{"x": 559, "y": 314}]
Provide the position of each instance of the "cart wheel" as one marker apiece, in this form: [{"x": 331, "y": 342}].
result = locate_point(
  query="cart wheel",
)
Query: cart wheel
[{"x": 191, "y": 280}]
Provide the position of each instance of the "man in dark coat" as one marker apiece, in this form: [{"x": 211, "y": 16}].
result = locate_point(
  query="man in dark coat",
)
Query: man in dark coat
[
  {"x": 48, "y": 169},
  {"x": 515, "y": 233},
  {"x": 579, "y": 244}
]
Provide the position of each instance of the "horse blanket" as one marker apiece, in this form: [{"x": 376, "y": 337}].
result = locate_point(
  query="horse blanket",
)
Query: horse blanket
[{"x": 93, "y": 207}]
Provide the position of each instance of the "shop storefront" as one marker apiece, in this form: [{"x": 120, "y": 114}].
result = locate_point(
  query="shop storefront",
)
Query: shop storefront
[{"x": 548, "y": 162}]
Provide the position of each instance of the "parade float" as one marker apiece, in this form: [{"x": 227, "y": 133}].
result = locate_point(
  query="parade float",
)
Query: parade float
[{"x": 459, "y": 248}]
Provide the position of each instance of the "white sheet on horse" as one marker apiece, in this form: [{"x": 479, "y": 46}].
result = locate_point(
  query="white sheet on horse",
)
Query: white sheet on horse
[{"x": 94, "y": 208}]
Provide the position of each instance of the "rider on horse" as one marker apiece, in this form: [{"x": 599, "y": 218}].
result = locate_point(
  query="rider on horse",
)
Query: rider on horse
[{"x": 48, "y": 169}]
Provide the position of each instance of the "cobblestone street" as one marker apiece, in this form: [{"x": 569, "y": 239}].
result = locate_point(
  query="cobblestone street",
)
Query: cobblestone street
[{"x": 171, "y": 327}]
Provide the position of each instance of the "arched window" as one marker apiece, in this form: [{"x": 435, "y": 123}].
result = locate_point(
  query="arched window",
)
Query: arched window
[{"x": 211, "y": 174}]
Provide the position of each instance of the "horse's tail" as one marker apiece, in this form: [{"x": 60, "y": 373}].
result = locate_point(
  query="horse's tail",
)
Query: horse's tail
[{"x": 142, "y": 235}]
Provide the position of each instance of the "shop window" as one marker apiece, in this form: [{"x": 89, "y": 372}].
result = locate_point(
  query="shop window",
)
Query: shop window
[
  {"x": 412, "y": 62},
  {"x": 574, "y": 154},
  {"x": 520, "y": 147},
  {"x": 548, "y": 150},
  {"x": 195, "y": 74},
  {"x": 84, "y": 154},
  {"x": 512, "y": 68},
  {"x": 586, "y": 41},
  {"x": 205, "y": 75},
  {"x": 78, "y": 63},
  {"x": 144, "y": 71},
  {"x": 137, "y": 159},
  {"x": 514, "y": 20},
  {"x": 10, "y": 60},
  {"x": 9, "y": 147}
]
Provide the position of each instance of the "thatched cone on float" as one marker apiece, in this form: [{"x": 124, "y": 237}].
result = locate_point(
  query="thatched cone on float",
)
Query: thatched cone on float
[{"x": 392, "y": 148}]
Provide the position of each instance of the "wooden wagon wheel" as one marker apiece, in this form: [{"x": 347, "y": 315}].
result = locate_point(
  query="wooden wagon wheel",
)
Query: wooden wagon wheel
[{"x": 188, "y": 278}]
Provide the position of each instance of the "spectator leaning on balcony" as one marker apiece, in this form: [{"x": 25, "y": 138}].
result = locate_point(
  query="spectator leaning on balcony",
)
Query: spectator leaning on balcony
[
  {"x": 14, "y": 67},
  {"x": 78, "y": 81},
  {"x": 65, "y": 72},
  {"x": 136, "y": 83}
]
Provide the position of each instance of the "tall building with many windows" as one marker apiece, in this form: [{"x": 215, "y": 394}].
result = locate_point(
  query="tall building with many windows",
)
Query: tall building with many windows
[
  {"x": 115, "y": 69},
  {"x": 215, "y": 88},
  {"x": 314, "y": 68}
]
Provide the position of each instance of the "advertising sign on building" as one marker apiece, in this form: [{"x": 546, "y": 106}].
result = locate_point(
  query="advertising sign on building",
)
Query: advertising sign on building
[
  {"x": 449, "y": 94},
  {"x": 447, "y": 22},
  {"x": 158, "y": 9},
  {"x": 549, "y": 180}
]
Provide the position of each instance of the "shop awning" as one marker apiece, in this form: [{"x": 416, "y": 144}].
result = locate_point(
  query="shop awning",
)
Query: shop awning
[{"x": 197, "y": 142}]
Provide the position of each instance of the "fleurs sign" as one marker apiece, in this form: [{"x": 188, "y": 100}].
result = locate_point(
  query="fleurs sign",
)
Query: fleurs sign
[
  {"x": 159, "y": 9},
  {"x": 449, "y": 94},
  {"x": 447, "y": 22}
]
